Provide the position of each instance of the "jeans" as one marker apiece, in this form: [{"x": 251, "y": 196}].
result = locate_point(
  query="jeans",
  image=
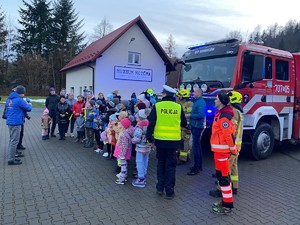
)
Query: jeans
[
  {"x": 166, "y": 169},
  {"x": 14, "y": 135},
  {"x": 142, "y": 163},
  {"x": 196, "y": 148}
]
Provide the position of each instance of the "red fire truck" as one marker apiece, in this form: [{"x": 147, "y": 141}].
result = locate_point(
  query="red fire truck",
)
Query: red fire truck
[{"x": 267, "y": 78}]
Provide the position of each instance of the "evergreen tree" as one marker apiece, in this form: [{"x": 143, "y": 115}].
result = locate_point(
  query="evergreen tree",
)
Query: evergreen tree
[{"x": 35, "y": 35}]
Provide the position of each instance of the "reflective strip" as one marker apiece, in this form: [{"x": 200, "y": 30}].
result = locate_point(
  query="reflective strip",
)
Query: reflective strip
[
  {"x": 219, "y": 146},
  {"x": 221, "y": 160},
  {"x": 232, "y": 148},
  {"x": 238, "y": 142},
  {"x": 227, "y": 195},
  {"x": 226, "y": 188},
  {"x": 234, "y": 177}
]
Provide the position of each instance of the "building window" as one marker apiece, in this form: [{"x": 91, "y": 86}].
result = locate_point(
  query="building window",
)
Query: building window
[
  {"x": 91, "y": 88},
  {"x": 282, "y": 70},
  {"x": 72, "y": 90},
  {"x": 134, "y": 58}
]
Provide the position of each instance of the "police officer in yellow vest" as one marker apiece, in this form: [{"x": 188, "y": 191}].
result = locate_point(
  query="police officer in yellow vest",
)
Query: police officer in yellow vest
[{"x": 165, "y": 122}]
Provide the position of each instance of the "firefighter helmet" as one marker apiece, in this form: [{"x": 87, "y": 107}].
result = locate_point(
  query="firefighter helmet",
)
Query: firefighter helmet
[
  {"x": 235, "y": 97},
  {"x": 184, "y": 93}
]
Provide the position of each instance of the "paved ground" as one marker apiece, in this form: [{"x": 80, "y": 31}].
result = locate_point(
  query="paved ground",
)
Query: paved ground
[{"x": 60, "y": 182}]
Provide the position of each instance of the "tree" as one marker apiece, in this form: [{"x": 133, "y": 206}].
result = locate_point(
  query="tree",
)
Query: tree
[
  {"x": 101, "y": 29},
  {"x": 235, "y": 34},
  {"x": 3, "y": 35},
  {"x": 35, "y": 35},
  {"x": 170, "y": 47}
]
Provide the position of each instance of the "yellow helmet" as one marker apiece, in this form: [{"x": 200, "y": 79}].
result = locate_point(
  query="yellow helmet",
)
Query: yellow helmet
[
  {"x": 149, "y": 91},
  {"x": 235, "y": 97},
  {"x": 184, "y": 93}
]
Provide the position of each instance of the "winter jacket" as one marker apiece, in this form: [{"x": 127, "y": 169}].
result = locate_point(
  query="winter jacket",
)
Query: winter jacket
[
  {"x": 77, "y": 108},
  {"x": 45, "y": 121},
  {"x": 139, "y": 137},
  {"x": 79, "y": 123},
  {"x": 16, "y": 108},
  {"x": 123, "y": 146},
  {"x": 223, "y": 131},
  {"x": 63, "y": 112},
  {"x": 91, "y": 114},
  {"x": 51, "y": 104},
  {"x": 197, "y": 117},
  {"x": 71, "y": 102}
]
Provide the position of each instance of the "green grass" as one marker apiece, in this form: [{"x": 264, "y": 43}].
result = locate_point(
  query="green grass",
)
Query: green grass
[{"x": 33, "y": 98}]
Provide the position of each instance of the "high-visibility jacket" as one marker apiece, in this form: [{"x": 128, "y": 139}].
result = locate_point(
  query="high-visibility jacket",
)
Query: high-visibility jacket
[
  {"x": 238, "y": 122},
  {"x": 168, "y": 120},
  {"x": 223, "y": 132}
]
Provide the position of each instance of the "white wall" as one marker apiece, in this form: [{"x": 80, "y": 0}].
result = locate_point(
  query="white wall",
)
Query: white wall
[
  {"x": 79, "y": 77},
  {"x": 117, "y": 55}
]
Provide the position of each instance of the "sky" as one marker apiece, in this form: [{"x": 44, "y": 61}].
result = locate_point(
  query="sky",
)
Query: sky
[{"x": 188, "y": 21}]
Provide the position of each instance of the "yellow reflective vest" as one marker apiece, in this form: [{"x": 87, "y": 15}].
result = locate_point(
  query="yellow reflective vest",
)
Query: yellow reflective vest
[{"x": 167, "y": 126}]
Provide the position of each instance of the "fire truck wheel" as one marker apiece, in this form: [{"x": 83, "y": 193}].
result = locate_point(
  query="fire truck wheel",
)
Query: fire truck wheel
[{"x": 263, "y": 141}]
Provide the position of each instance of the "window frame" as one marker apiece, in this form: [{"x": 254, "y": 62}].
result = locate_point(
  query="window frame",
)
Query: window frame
[{"x": 133, "y": 56}]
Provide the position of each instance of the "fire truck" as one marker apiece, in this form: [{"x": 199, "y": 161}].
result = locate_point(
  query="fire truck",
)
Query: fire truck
[{"x": 267, "y": 78}]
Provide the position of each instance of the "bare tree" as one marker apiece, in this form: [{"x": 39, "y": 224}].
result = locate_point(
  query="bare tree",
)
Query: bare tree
[
  {"x": 101, "y": 29},
  {"x": 170, "y": 47},
  {"x": 235, "y": 34}
]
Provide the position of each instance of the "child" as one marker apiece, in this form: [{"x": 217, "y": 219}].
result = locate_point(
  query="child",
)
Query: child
[
  {"x": 79, "y": 125},
  {"x": 142, "y": 149},
  {"x": 110, "y": 137},
  {"x": 45, "y": 124},
  {"x": 91, "y": 114},
  {"x": 123, "y": 148}
]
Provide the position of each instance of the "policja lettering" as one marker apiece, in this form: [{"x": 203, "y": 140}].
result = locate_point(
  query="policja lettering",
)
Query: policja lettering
[{"x": 169, "y": 111}]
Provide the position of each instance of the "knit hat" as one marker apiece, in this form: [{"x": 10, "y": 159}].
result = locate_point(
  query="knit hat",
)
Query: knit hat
[
  {"x": 141, "y": 97},
  {"x": 113, "y": 117},
  {"x": 125, "y": 103},
  {"x": 110, "y": 104},
  {"x": 122, "y": 114},
  {"x": 142, "y": 114},
  {"x": 141, "y": 105},
  {"x": 223, "y": 97},
  {"x": 115, "y": 92},
  {"x": 46, "y": 111},
  {"x": 51, "y": 89},
  {"x": 92, "y": 102},
  {"x": 99, "y": 102},
  {"x": 20, "y": 89},
  {"x": 110, "y": 96},
  {"x": 126, "y": 123}
]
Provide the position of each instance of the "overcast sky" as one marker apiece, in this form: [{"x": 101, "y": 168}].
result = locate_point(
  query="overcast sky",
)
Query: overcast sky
[{"x": 189, "y": 21}]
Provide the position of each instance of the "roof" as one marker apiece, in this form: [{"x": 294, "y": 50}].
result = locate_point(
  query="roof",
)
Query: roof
[{"x": 95, "y": 49}]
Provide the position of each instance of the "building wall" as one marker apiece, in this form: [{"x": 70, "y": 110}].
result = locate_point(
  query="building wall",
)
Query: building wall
[
  {"x": 117, "y": 55},
  {"x": 78, "y": 79}
]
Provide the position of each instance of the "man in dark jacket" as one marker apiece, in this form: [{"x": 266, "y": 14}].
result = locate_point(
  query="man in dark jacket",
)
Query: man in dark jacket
[
  {"x": 197, "y": 122},
  {"x": 15, "y": 113},
  {"x": 51, "y": 105},
  {"x": 165, "y": 122}
]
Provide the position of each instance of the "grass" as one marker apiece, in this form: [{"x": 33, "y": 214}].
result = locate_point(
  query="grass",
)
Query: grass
[{"x": 36, "y": 101}]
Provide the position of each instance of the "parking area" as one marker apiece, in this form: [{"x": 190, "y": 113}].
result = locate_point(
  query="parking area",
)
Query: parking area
[{"x": 60, "y": 182}]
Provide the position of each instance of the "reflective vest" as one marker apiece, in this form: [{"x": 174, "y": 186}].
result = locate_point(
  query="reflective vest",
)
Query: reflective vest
[{"x": 168, "y": 121}]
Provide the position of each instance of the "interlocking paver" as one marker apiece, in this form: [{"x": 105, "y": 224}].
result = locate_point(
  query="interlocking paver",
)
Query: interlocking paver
[{"x": 64, "y": 183}]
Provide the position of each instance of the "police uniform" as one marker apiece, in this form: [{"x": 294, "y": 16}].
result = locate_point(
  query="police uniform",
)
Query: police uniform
[{"x": 165, "y": 122}]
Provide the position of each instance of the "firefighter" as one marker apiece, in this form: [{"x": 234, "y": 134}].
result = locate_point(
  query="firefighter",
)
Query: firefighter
[
  {"x": 184, "y": 150},
  {"x": 235, "y": 102},
  {"x": 223, "y": 145},
  {"x": 165, "y": 122}
]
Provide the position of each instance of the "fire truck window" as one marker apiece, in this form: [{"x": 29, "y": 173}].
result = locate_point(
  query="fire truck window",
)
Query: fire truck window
[
  {"x": 253, "y": 67},
  {"x": 268, "y": 68},
  {"x": 282, "y": 70}
]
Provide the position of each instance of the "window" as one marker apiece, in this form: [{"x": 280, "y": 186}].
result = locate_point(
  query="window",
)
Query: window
[
  {"x": 80, "y": 90},
  {"x": 282, "y": 70},
  {"x": 268, "y": 68},
  {"x": 91, "y": 88},
  {"x": 72, "y": 90},
  {"x": 134, "y": 58},
  {"x": 253, "y": 67}
]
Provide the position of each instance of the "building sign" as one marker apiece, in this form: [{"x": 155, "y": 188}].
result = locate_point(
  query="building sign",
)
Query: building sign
[{"x": 128, "y": 73}]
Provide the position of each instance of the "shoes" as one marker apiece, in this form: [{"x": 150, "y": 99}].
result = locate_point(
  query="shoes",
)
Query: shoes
[
  {"x": 193, "y": 172},
  {"x": 170, "y": 197},
  {"x": 120, "y": 181},
  {"x": 98, "y": 151},
  {"x": 217, "y": 204},
  {"x": 53, "y": 135},
  {"x": 119, "y": 176},
  {"x": 72, "y": 135},
  {"x": 215, "y": 193},
  {"x": 234, "y": 191},
  {"x": 105, "y": 154},
  {"x": 14, "y": 162},
  {"x": 19, "y": 154},
  {"x": 160, "y": 193},
  {"x": 21, "y": 147},
  {"x": 62, "y": 138},
  {"x": 139, "y": 182},
  {"x": 222, "y": 210}
]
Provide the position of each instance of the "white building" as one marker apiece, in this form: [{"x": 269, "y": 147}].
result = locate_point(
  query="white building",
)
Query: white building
[{"x": 129, "y": 59}]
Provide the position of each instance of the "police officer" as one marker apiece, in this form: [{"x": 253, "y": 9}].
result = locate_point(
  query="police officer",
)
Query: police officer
[{"x": 165, "y": 122}]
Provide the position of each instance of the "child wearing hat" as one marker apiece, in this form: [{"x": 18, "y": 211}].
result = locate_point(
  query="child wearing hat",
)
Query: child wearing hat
[
  {"x": 45, "y": 124},
  {"x": 142, "y": 149},
  {"x": 123, "y": 148},
  {"x": 79, "y": 126},
  {"x": 109, "y": 137},
  {"x": 90, "y": 124}
]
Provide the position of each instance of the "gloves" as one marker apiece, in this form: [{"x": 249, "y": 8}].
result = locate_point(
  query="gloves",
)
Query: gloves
[{"x": 28, "y": 100}]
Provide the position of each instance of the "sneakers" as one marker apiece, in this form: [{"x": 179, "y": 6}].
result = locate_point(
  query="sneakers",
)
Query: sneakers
[
  {"x": 170, "y": 197},
  {"x": 21, "y": 147},
  {"x": 120, "y": 181},
  {"x": 98, "y": 151},
  {"x": 215, "y": 193},
  {"x": 72, "y": 135},
  {"x": 19, "y": 154},
  {"x": 193, "y": 172},
  {"x": 139, "y": 182},
  {"x": 105, "y": 154},
  {"x": 221, "y": 210},
  {"x": 14, "y": 162},
  {"x": 119, "y": 176}
]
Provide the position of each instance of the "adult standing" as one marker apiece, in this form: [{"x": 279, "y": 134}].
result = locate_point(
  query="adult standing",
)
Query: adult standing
[
  {"x": 15, "y": 113},
  {"x": 51, "y": 104},
  {"x": 63, "y": 113},
  {"x": 197, "y": 122},
  {"x": 223, "y": 145},
  {"x": 165, "y": 122},
  {"x": 71, "y": 100}
]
